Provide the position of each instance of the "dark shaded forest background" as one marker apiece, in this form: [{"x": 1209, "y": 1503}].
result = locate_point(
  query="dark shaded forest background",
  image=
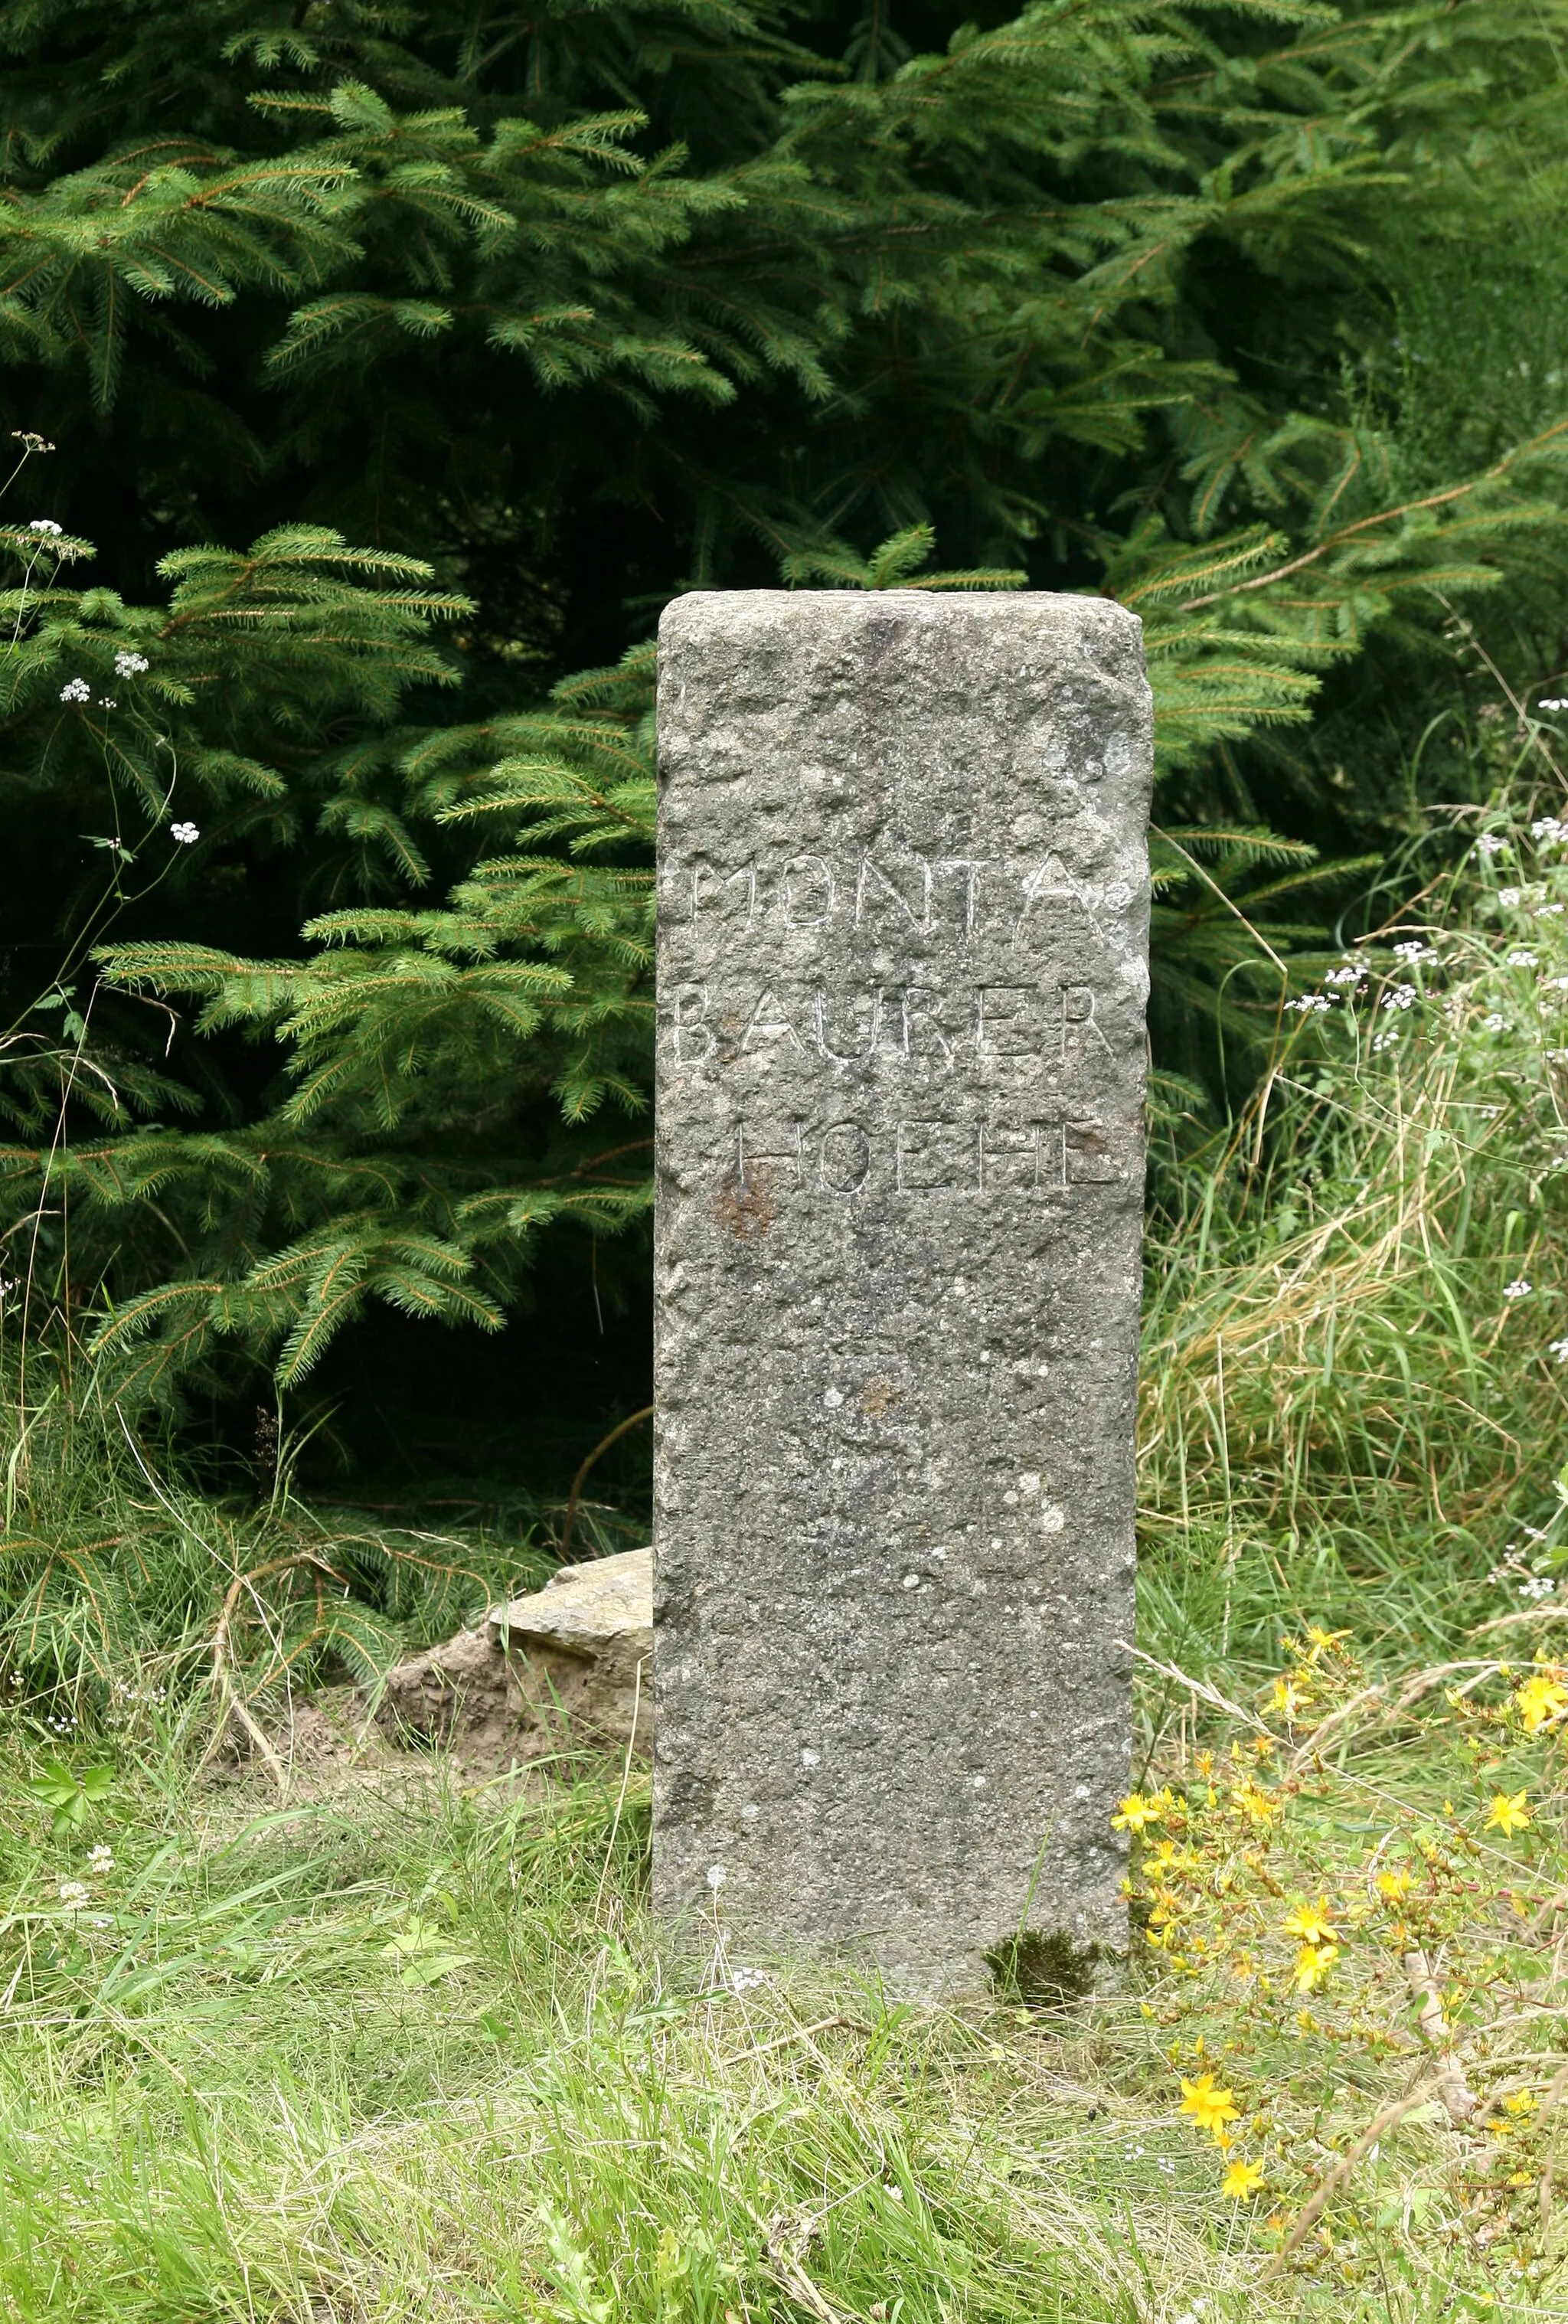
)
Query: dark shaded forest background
[{"x": 399, "y": 364}]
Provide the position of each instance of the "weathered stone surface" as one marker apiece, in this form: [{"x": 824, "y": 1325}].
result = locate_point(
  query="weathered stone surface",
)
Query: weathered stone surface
[
  {"x": 903, "y": 927},
  {"x": 564, "y": 1669},
  {"x": 601, "y": 1607}
]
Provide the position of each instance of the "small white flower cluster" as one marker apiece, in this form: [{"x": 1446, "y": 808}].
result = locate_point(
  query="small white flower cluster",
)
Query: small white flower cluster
[
  {"x": 1494, "y": 1023},
  {"x": 1549, "y": 831},
  {"x": 1537, "y": 1588},
  {"x": 45, "y": 525},
  {"x": 75, "y": 689},
  {"x": 63, "y": 1726},
  {"x": 100, "y": 1857},
  {"x": 186, "y": 834},
  {"x": 1491, "y": 842},
  {"x": 1309, "y": 1004},
  {"x": 1517, "y": 1289},
  {"x": 1559, "y": 1347},
  {"x": 1402, "y": 996},
  {"x": 1510, "y": 896},
  {"x": 130, "y": 665},
  {"x": 1342, "y": 976},
  {"x": 1522, "y": 957},
  {"x": 748, "y": 1981},
  {"x": 1385, "y": 1040},
  {"x": 73, "y": 1893},
  {"x": 1413, "y": 949},
  {"x": 1553, "y": 701},
  {"x": 1549, "y": 911},
  {"x": 128, "y": 1693}
]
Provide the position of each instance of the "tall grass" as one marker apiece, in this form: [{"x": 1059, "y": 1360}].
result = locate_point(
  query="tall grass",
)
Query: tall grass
[{"x": 1349, "y": 1401}]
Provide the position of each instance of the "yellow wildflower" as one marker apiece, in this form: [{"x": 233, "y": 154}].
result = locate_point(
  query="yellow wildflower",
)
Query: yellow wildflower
[
  {"x": 1311, "y": 1924},
  {"x": 1210, "y": 2108},
  {"x": 1204, "y": 1762},
  {"x": 1290, "y": 1697},
  {"x": 1519, "y": 2102},
  {"x": 1394, "y": 1886},
  {"x": 1241, "y": 2179},
  {"x": 1254, "y": 1802},
  {"x": 1313, "y": 1964},
  {"x": 1166, "y": 1909},
  {"x": 1541, "y": 1701},
  {"x": 1508, "y": 1815},
  {"x": 1135, "y": 1812}
]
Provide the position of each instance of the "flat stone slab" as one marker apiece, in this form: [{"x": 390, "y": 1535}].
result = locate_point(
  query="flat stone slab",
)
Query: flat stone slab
[
  {"x": 552, "y": 1678},
  {"x": 582, "y": 1608},
  {"x": 902, "y": 933}
]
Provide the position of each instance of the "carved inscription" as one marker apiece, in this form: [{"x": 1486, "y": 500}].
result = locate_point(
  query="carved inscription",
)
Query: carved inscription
[
  {"x": 917, "y": 1155},
  {"x": 892, "y": 892},
  {"x": 968, "y": 1015},
  {"x": 1050, "y": 1022}
]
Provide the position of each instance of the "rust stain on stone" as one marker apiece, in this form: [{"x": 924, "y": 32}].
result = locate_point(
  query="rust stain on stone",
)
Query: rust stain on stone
[
  {"x": 880, "y": 1396},
  {"x": 745, "y": 1209}
]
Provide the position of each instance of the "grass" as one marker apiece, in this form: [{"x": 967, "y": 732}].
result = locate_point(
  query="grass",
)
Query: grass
[
  {"x": 397, "y": 2048},
  {"x": 232, "y": 2102}
]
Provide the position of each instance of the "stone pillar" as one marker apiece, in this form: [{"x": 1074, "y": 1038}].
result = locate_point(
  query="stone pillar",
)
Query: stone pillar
[{"x": 903, "y": 915}]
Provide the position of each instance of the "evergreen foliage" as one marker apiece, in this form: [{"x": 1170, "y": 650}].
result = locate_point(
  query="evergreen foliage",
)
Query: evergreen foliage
[{"x": 561, "y": 315}]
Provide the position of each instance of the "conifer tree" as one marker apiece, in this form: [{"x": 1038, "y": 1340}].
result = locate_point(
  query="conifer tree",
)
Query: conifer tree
[{"x": 559, "y": 315}]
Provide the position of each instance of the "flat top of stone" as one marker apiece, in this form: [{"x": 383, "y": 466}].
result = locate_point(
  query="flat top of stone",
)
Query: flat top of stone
[{"x": 581, "y": 1607}]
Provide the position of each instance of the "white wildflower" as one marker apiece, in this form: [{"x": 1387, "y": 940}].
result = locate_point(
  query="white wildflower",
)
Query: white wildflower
[
  {"x": 100, "y": 1857},
  {"x": 1517, "y": 1289},
  {"x": 1492, "y": 844},
  {"x": 1559, "y": 1347},
  {"x": 45, "y": 525},
  {"x": 1553, "y": 701},
  {"x": 716, "y": 1878},
  {"x": 75, "y": 689},
  {"x": 1522, "y": 957},
  {"x": 1414, "y": 949},
  {"x": 186, "y": 834},
  {"x": 1342, "y": 976},
  {"x": 73, "y": 1893},
  {"x": 130, "y": 665},
  {"x": 1403, "y": 996},
  {"x": 1550, "y": 830},
  {"x": 1537, "y": 1588},
  {"x": 748, "y": 1981},
  {"x": 1494, "y": 1023},
  {"x": 1509, "y": 896}
]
